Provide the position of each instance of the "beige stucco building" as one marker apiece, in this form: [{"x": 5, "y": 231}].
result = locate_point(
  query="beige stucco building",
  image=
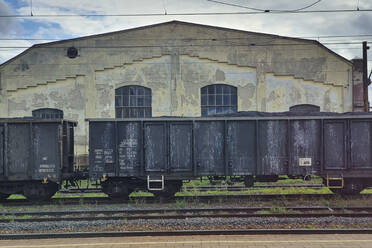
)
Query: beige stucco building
[{"x": 168, "y": 64}]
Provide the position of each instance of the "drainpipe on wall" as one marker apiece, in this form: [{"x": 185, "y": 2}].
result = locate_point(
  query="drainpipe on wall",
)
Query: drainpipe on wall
[{"x": 365, "y": 77}]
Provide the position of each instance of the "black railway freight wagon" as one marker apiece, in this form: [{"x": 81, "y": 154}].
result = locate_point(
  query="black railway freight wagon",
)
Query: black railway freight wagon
[
  {"x": 158, "y": 153},
  {"x": 35, "y": 156}
]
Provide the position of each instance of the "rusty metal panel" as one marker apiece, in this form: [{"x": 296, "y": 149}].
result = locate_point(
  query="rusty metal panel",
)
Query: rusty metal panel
[
  {"x": 155, "y": 146},
  {"x": 241, "y": 147},
  {"x": 129, "y": 148},
  {"x": 334, "y": 144},
  {"x": 361, "y": 144},
  {"x": 273, "y": 147},
  {"x": 46, "y": 150},
  {"x": 19, "y": 151},
  {"x": 209, "y": 147},
  {"x": 101, "y": 149},
  {"x": 305, "y": 147},
  {"x": 181, "y": 146}
]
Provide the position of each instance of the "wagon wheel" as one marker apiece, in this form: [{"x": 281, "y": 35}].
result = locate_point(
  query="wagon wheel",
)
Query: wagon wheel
[
  {"x": 170, "y": 189},
  {"x": 350, "y": 188},
  {"x": 248, "y": 181},
  {"x": 37, "y": 191},
  {"x": 116, "y": 189}
]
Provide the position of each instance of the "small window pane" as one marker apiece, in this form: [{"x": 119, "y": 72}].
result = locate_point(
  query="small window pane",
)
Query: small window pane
[
  {"x": 148, "y": 101},
  {"x": 148, "y": 92},
  {"x": 211, "y": 89},
  {"x": 233, "y": 90},
  {"x": 118, "y": 101},
  {"x": 140, "y": 101},
  {"x": 226, "y": 100},
  {"x": 140, "y": 91},
  {"x": 204, "y": 90},
  {"x": 204, "y": 111},
  {"x": 204, "y": 100},
  {"x": 132, "y": 101},
  {"x": 226, "y": 89},
  {"x": 125, "y": 91},
  {"x": 132, "y": 91},
  {"x": 218, "y": 100},
  {"x": 125, "y": 112},
  {"x": 211, "y": 100},
  {"x": 211, "y": 110},
  {"x": 219, "y": 88},
  {"x": 233, "y": 100},
  {"x": 141, "y": 112},
  {"x": 147, "y": 112},
  {"x": 125, "y": 101},
  {"x": 118, "y": 113}
]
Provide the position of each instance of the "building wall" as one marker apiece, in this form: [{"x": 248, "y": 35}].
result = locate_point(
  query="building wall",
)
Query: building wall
[{"x": 175, "y": 60}]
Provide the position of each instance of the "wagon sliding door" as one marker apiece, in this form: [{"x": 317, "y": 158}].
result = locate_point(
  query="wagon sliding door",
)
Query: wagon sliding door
[
  {"x": 180, "y": 144},
  {"x": 155, "y": 147},
  {"x": 334, "y": 145},
  {"x": 209, "y": 144},
  {"x": 361, "y": 144},
  {"x": 18, "y": 151},
  {"x": 241, "y": 147},
  {"x": 304, "y": 147}
]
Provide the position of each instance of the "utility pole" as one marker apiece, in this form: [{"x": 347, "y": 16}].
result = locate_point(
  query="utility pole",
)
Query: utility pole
[{"x": 365, "y": 77}]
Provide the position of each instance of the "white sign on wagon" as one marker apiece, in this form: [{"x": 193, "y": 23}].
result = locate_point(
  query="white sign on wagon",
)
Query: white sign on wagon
[{"x": 304, "y": 161}]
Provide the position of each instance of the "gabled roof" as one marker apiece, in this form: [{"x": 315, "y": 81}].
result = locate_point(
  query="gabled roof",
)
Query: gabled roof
[{"x": 315, "y": 42}]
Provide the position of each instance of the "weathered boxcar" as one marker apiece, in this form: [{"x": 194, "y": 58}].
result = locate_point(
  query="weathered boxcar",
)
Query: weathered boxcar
[
  {"x": 35, "y": 156},
  {"x": 158, "y": 153}
]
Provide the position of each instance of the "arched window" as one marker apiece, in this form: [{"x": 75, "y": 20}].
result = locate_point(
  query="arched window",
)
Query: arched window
[
  {"x": 47, "y": 113},
  {"x": 133, "y": 102},
  {"x": 218, "y": 99}
]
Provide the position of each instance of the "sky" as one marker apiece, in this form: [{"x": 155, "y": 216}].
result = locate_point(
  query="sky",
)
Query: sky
[{"x": 25, "y": 20}]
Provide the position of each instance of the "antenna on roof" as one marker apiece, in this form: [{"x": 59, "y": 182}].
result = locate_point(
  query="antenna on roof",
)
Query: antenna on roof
[{"x": 31, "y": 8}]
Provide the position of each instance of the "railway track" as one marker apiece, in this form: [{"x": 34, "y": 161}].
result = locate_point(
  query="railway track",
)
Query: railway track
[
  {"x": 199, "y": 198},
  {"x": 165, "y": 213},
  {"x": 182, "y": 233}
]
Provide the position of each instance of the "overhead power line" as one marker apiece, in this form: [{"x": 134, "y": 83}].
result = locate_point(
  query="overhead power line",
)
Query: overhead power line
[
  {"x": 265, "y": 10},
  {"x": 185, "y": 14}
]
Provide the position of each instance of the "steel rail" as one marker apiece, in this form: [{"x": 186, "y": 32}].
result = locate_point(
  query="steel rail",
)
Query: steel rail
[
  {"x": 182, "y": 233},
  {"x": 185, "y": 214},
  {"x": 175, "y": 217},
  {"x": 184, "y": 210}
]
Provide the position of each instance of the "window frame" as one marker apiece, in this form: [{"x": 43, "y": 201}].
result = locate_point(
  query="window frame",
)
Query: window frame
[
  {"x": 133, "y": 101},
  {"x": 218, "y": 99},
  {"x": 47, "y": 113}
]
